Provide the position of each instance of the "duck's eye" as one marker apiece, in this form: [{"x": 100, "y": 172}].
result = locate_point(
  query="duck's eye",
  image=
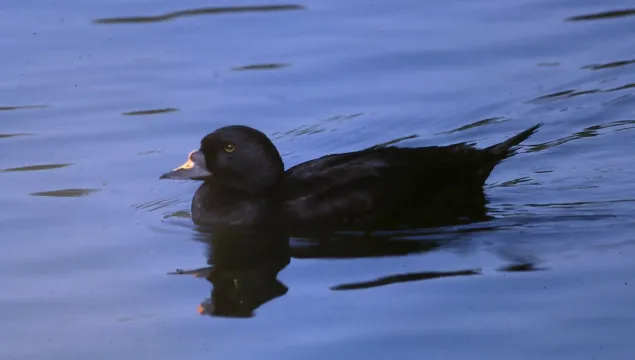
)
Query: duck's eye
[{"x": 230, "y": 148}]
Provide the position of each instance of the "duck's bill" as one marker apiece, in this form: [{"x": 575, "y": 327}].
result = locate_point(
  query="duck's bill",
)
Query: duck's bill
[{"x": 193, "y": 169}]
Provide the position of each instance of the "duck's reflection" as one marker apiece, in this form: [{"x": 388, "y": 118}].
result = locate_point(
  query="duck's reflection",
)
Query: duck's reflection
[{"x": 244, "y": 264}]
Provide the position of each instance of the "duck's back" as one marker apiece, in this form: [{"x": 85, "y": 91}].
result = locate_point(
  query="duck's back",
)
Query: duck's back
[{"x": 375, "y": 184}]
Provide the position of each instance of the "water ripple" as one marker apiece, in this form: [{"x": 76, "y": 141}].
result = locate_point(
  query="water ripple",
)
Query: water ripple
[
  {"x": 590, "y": 131},
  {"x": 401, "y": 278},
  {"x": 158, "y": 204},
  {"x": 565, "y": 94},
  {"x": 194, "y": 12},
  {"x": 488, "y": 121},
  {"x": 150, "y": 112},
  {"x": 603, "y": 15},
  {"x": 66, "y": 193},
  {"x": 610, "y": 65},
  {"x": 182, "y": 214},
  {"x": 24, "y": 107},
  {"x": 577, "y": 204},
  {"x": 394, "y": 141},
  {"x": 5, "y": 136},
  {"x": 35, "y": 167},
  {"x": 270, "y": 66}
]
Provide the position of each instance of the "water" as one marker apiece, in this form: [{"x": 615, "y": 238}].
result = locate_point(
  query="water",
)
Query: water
[{"x": 97, "y": 100}]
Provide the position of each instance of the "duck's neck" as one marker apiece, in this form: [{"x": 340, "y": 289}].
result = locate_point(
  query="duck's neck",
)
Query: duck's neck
[
  {"x": 259, "y": 179},
  {"x": 267, "y": 187}
]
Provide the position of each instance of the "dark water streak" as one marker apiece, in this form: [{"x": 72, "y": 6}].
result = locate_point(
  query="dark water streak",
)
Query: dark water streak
[
  {"x": 66, "y": 193},
  {"x": 150, "y": 112},
  {"x": 604, "y": 15},
  {"x": 196, "y": 12},
  {"x": 35, "y": 167}
]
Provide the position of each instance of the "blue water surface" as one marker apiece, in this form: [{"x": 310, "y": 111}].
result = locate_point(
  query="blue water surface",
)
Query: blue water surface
[{"x": 98, "y": 98}]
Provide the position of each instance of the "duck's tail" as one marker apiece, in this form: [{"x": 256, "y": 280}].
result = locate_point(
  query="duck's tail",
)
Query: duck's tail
[{"x": 508, "y": 147}]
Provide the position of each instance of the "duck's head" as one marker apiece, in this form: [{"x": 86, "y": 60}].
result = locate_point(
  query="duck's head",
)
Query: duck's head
[{"x": 236, "y": 156}]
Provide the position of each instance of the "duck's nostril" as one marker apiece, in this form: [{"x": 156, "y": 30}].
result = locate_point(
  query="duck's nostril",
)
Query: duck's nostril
[{"x": 197, "y": 158}]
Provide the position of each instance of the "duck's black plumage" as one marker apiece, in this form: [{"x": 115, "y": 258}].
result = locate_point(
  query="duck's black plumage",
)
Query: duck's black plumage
[{"x": 245, "y": 182}]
